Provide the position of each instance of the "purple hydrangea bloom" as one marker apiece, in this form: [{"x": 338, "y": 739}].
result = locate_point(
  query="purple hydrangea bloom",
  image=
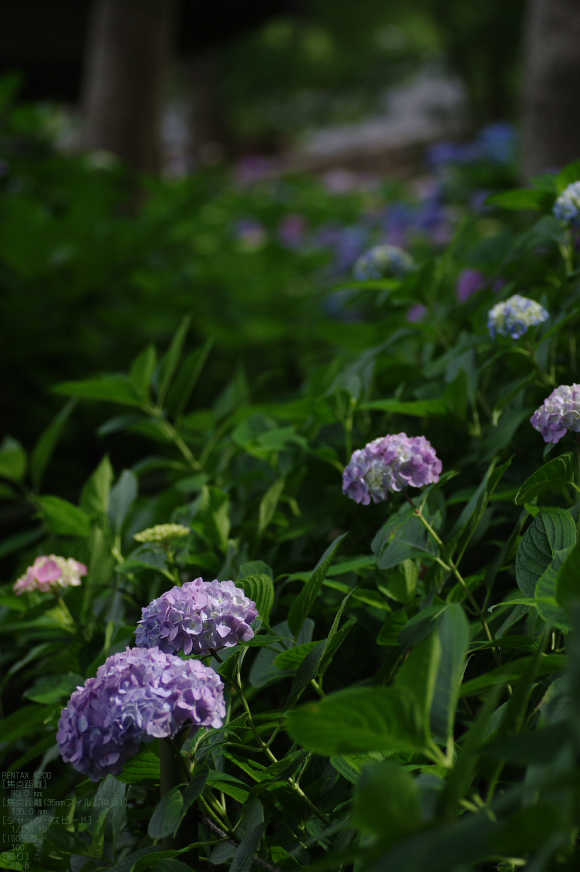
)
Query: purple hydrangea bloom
[
  {"x": 567, "y": 206},
  {"x": 137, "y": 696},
  {"x": 559, "y": 413},
  {"x": 416, "y": 313},
  {"x": 514, "y": 316},
  {"x": 390, "y": 464},
  {"x": 469, "y": 281},
  {"x": 198, "y": 618}
]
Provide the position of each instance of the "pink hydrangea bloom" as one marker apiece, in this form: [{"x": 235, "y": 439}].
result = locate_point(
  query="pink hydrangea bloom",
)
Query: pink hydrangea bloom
[{"x": 51, "y": 574}]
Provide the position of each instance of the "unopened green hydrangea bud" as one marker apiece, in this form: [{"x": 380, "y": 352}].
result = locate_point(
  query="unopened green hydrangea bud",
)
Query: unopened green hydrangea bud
[{"x": 162, "y": 533}]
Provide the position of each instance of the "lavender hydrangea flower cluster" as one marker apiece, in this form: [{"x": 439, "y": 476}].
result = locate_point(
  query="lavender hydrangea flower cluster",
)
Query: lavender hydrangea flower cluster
[
  {"x": 514, "y": 316},
  {"x": 137, "y": 696},
  {"x": 51, "y": 574},
  {"x": 388, "y": 465},
  {"x": 197, "y": 618},
  {"x": 567, "y": 206},
  {"x": 559, "y": 413},
  {"x": 381, "y": 261}
]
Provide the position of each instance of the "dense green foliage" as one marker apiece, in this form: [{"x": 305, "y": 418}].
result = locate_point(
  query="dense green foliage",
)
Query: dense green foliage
[{"x": 409, "y": 699}]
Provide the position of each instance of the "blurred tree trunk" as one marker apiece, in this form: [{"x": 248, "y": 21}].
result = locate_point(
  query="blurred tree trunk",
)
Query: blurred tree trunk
[
  {"x": 127, "y": 59},
  {"x": 551, "y": 110}
]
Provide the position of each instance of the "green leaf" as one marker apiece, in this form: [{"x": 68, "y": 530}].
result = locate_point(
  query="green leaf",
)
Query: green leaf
[
  {"x": 454, "y": 637},
  {"x": 23, "y": 722},
  {"x": 142, "y": 370},
  {"x": 195, "y": 787},
  {"x": 553, "y": 474},
  {"x": 389, "y": 633},
  {"x": 473, "y": 512},
  {"x": 568, "y": 582},
  {"x": 167, "y": 815},
  {"x": 546, "y": 587},
  {"x": 212, "y": 519},
  {"x": 403, "y": 581},
  {"x": 417, "y": 677},
  {"x": 548, "y": 664},
  {"x": 386, "y": 801},
  {"x": 420, "y": 626},
  {"x": 53, "y": 688},
  {"x": 268, "y": 504},
  {"x": 552, "y": 530},
  {"x": 570, "y": 173},
  {"x": 170, "y": 360},
  {"x": 63, "y": 518},
  {"x": 307, "y": 670},
  {"x": 300, "y": 608},
  {"x": 186, "y": 379},
  {"x": 101, "y": 567},
  {"x": 144, "y": 767},
  {"x": 114, "y": 388},
  {"x": 414, "y": 408},
  {"x": 260, "y": 589},
  {"x": 333, "y": 643},
  {"x": 42, "y": 451},
  {"x": 12, "y": 459},
  {"x": 294, "y": 657},
  {"x": 246, "y": 850},
  {"x": 122, "y": 497},
  {"x": 95, "y": 493},
  {"x": 359, "y": 720},
  {"x": 523, "y": 198}
]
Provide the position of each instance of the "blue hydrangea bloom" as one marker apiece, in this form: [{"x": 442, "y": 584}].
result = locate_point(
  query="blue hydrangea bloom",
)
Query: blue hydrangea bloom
[
  {"x": 200, "y": 617},
  {"x": 514, "y": 316},
  {"x": 389, "y": 464},
  {"x": 137, "y": 696},
  {"x": 382, "y": 261},
  {"x": 567, "y": 206},
  {"x": 559, "y": 413}
]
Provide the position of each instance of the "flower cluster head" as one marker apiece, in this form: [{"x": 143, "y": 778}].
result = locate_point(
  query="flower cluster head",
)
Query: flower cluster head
[
  {"x": 162, "y": 533},
  {"x": 137, "y": 696},
  {"x": 382, "y": 261},
  {"x": 198, "y": 618},
  {"x": 390, "y": 464},
  {"x": 559, "y": 413},
  {"x": 567, "y": 206},
  {"x": 514, "y": 316},
  {"x": 51, "y": 574}
]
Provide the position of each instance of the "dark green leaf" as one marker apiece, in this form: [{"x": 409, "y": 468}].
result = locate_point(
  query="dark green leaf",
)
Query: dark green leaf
[
  {"x": 63, "y": 518},
  {"x": 454, "y": 636},
  {"x": 167, "y": 815},
  {"x": 523, "y": 198},
  {"x": 23, "y": 722},
  {"x": 551, "y": 475},
  {"x": 386, "y": 801},
  {"x": 142, "y": 370},
  {"x": 357, "y": 721},
  {"x": 195, "y": 787},
  {"x": 389, "y": 633},
  {"x": 186, "y": 379},
  {"x": 294, "y": 657},
  {"x": 144, "y": 767},
  {"x": 52, "y": 688},
  {"x": 268, "y": 504},
  {"x": 116, "y": 388},
  {"x": 301, "y": 606},
  {"x": 170, "y": 360},
  {"x": 246, "y": 850},
  {"x": 552, "y": 530},
  {"x": 414, "y": 408},
  {"x": 121, "y": 498},
  {"x": 95, "y": 493},
  {"x": 306, "y": 672},
  {"x": 420, "y": 626},
  {"x": 418, "y": 674},
  {"x": 260, "y": 589},
  {"x": 12, "y": 459},
  {"x": 42, "y": 451}
]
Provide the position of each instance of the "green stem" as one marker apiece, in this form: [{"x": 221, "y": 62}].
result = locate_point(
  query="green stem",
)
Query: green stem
[{"x": 169, "y": 430}]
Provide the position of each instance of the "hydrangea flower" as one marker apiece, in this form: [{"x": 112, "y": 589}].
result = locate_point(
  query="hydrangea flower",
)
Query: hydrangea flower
[
  {"x": 51, "y": 574},
  {"x": 388, "y": 465},
  {"x": 567, "y": 206},
  {"x": 416, "y": 313},
  {"x": 469, "y": 282},
  {"x": 514, "y": 316},
  {"x": 198, "y": 618},
  {"x": 162, "y": 533},
  {"x": 137, "y": 696},
  {"x": 381, "y": 261},
  {"x": 559, "y": 413}
]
